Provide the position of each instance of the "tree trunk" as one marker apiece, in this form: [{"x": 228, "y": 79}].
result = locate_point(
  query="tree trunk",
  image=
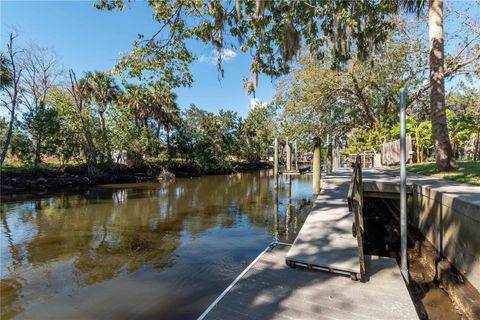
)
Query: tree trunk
[
  {"x": 477, "y": 145},
  {"x": 16, "y": 73},
  {"x": 101, "y": 116},
  {"x": 9, "y": 135},
  {"x": 102, "y": 120},
  {"x": 443, "y": 149},
  {"x": 38, "y": 154},
  {"x": 91, "y": 154},
  {"x": 169, "y": 153}
]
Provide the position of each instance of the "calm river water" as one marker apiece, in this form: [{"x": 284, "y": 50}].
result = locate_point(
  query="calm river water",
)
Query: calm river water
[{"x": 141, "y": 251}]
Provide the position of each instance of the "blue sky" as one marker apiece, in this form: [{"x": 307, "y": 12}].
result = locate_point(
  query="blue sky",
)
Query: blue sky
[{"x": 89, "y": 39}]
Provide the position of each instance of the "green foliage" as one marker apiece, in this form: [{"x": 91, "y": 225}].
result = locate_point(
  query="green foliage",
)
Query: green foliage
[
  {"x": 5, "y": 73},
  {"x": 207, "y": 139},
  {"x": 460, "y": 128},
  {"x": 69, "y": 141},
  {"x": 21, "y": 147},
  {"x": 44, "y": 125},
  {"x": 272, "y": 30},
  {"x": 365, "y": 140},
  {"x": 257, "y": 133},
  {"x": 318, "y": 100}
]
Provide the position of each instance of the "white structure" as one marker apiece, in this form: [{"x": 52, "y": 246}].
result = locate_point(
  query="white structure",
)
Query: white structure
[
  {"x": 257, "y": 104},
  {"x": 120, "y": 156}
]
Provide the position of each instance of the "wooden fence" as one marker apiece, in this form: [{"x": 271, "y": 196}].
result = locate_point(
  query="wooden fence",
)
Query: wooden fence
[{"x": 391, "y": 151}]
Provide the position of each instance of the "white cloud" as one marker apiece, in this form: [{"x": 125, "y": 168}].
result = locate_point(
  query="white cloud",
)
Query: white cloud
[{"x": 227, "y": 55}]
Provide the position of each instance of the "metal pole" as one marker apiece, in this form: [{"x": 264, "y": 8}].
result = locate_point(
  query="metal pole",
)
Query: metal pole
[{"x": 403, "y": 186}]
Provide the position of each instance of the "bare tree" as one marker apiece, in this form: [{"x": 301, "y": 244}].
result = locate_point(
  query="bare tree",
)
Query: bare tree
[
  {"x": 40, "y": 74},
  {"x": 10, "y": 89},
  {"x": 79, "y": 92}
]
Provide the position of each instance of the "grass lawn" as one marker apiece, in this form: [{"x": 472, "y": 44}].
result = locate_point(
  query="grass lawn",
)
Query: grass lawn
[{"x": 468, "y": 171}]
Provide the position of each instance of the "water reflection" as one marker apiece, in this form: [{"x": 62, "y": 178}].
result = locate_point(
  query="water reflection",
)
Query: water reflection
[{"x": 144, "y": 250}]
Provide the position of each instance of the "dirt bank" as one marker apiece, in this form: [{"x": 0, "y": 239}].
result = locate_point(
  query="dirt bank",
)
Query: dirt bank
[{"x": 15, "y": 181}]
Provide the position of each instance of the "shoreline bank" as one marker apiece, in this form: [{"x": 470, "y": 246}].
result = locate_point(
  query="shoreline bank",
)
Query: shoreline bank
[{"x": 71, "y": 178}]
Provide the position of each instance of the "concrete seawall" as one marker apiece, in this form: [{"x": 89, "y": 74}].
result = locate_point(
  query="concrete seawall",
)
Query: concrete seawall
[{"x": 448, "y": 214}]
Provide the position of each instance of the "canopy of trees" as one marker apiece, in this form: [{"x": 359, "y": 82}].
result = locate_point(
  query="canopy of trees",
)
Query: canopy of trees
[{"x": 358, "y": 104}]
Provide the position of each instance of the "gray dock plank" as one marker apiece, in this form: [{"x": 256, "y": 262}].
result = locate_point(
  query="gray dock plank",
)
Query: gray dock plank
[
  {"x": 326, "y": 238},
  {"x": 272, "y": 290}
]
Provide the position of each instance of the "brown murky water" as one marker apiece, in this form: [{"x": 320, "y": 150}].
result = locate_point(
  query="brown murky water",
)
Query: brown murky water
[{"x": 141, "y": 251}]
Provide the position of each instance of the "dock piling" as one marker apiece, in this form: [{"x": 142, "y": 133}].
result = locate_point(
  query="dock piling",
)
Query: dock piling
[
  {"x": 316, "y": 166},
  {"x": 289, "y": 155},
  {"x": 275, "y": 158}
]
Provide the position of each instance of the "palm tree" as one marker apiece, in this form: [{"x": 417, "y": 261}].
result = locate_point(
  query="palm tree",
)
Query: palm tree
[
  {"x": 104, "y": 91},
  {"x": 171, "y": 119},
  {"x": 444, "y": 156},
  {"x": 79, "y": 92},
  {"x": 135, "y": 99},
  {"x": 165, "y": 111}
]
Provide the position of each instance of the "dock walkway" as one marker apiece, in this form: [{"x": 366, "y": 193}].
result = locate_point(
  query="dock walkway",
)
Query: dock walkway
[
  {"x": 326, "y": 239},
  {"x": 270, "y": 289}
]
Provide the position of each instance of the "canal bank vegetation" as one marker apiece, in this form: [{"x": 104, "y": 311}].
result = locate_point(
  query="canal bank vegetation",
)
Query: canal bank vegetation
[{"x": 101, "y": 131}]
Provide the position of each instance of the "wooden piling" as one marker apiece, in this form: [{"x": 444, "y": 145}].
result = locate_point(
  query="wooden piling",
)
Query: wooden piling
[
  {"x": 332, "y": 155},
  {"x": 316, "y": 166},
  {"x": 275, "y": 159},
  {"x": 289, "y": 155},
  {"x": 296, "y": 156}
]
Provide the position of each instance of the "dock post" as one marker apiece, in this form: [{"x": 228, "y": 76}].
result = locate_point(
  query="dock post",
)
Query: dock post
[
  {"x": 275, "y": 163},
  {"x": 332, "y": 157},
  {"x": 328, "y": 169},
  {"x": 316, "y": 166},
  {"x": 296, "y": 155},
  {"x": 275, "y": 158},
  {"x": 275, "y": 210},
  {"x": 289, "y": 155},
  {"x": 403, "y": 186},
  {"x": 288, "y": 212}
]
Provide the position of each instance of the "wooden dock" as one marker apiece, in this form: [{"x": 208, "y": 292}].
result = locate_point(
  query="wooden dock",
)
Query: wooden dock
[
  {"x": 272, "y": 290},
  {"x": 326, "y": 240}
]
